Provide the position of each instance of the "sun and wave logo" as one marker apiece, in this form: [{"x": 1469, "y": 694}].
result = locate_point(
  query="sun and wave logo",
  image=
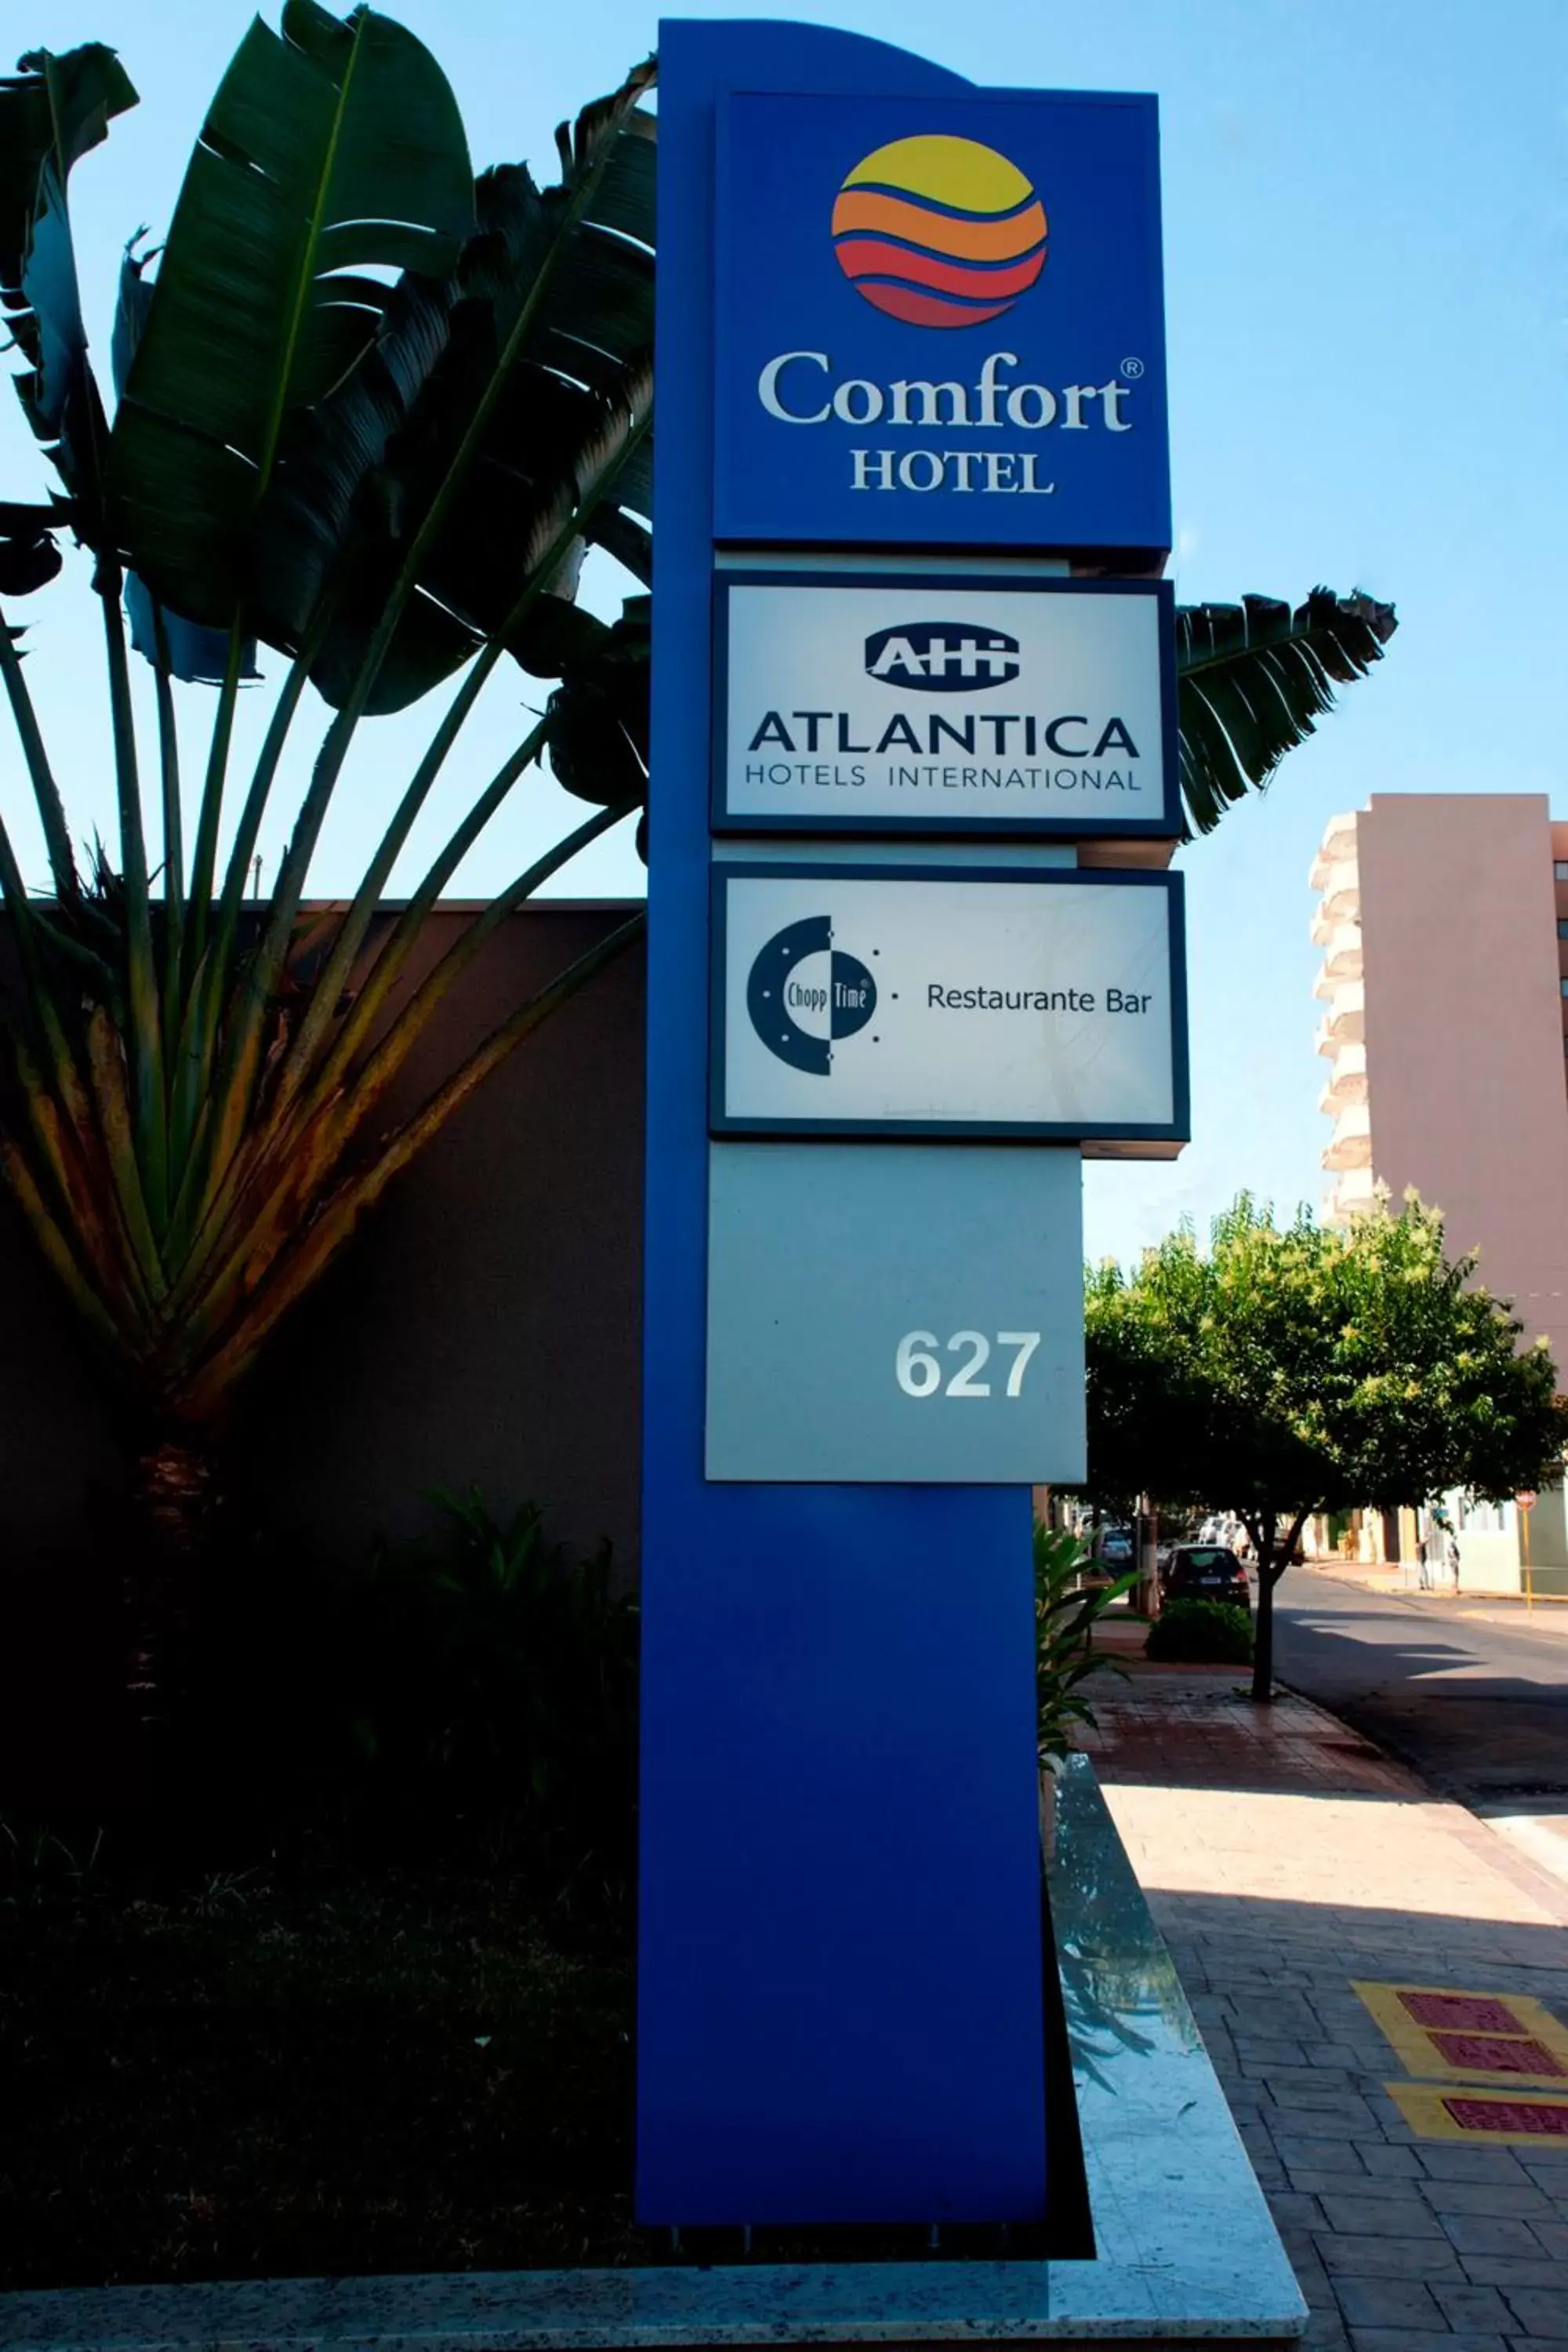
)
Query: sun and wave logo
[{"x": 939, "y": 231}]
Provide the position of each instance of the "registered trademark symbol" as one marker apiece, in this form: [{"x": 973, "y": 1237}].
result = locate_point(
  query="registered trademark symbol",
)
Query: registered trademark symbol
[{"x": 1134, "y": 368}]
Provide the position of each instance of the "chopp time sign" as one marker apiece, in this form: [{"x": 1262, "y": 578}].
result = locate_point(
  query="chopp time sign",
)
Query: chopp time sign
[{"x": 940, "y": 322}]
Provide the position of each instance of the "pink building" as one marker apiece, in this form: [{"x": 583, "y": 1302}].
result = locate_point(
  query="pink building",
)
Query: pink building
[{"x": 1444, "y": 924}]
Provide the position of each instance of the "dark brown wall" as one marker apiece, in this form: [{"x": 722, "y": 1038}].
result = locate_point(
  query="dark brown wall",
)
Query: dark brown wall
[{"x": 482, "y": 1328}]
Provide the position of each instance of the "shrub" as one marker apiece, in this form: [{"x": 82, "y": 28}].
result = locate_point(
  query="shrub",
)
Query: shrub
[
  {"x": 497, "y": 1681},
  {"x": 1203, "y": 1632},
  {"x": 473, "y": 1692},
  {"x": 1065, "y": 1617}
]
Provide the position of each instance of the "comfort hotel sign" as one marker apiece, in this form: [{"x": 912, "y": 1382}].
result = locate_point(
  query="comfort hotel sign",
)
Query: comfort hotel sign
[{"x": 940, "y": 323}]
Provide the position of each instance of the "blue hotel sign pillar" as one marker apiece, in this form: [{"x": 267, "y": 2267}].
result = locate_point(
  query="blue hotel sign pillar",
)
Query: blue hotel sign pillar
[{"x": 840, "y": 1962}]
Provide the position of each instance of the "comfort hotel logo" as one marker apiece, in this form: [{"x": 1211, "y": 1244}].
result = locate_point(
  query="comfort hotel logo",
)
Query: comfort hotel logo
[
  {"x": 928, "y": 304},
  {"x": 939, "y": 231}
]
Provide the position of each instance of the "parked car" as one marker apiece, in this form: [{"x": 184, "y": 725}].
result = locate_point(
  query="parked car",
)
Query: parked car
[
  {"x": 1114, "y": 1547},
  {"x": 1206, "y": 1573}
]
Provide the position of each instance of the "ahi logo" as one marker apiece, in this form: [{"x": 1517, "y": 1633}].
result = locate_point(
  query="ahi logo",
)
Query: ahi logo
[
  {"x": 939, "y": 231},
  {"x": 942, "y": 657},
  {"x": 803, "y": 993}
]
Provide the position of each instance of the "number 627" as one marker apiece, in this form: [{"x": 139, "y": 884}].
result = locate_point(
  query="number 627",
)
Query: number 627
[{"x": 919, "y": 1368}]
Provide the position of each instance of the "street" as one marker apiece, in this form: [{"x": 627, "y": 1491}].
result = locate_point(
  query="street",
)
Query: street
[{"x": 1477, "y": 1707}]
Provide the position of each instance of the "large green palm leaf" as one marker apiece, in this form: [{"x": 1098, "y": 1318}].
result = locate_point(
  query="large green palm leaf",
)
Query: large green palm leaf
[
  {"x": 53, "y": 111},
  {"x": 521, "y": 356},
  {"x": 330, "y": 150},
  {"x": 1253, "y": 680}
]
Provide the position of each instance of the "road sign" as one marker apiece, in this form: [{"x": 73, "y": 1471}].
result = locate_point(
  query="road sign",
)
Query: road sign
[
  {"x": 898, "y": 1318},
  {"x": 869, "y": 703},
  {"x": 939, "y": 321},
  {"x": 888, "y": 1000}
]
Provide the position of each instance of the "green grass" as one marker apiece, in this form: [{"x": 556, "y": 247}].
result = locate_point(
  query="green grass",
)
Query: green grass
[{"x": 395, "y": 2074}]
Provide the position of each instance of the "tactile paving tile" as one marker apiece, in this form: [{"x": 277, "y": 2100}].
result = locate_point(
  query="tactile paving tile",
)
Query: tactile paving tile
[
  {"x": 1434, "y": 2113},
  {"x": 1533, "y": 2119},
  {"x": 1488, "y": 2054},
  {"x": 1443, "y": 2034},
  {"x": 1461, "y": 2012}
]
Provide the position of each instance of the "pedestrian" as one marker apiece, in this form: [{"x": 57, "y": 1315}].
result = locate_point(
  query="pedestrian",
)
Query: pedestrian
[
  {"x": 1433, "y": 1547},
  {"x": 1452, "y": 1550}
]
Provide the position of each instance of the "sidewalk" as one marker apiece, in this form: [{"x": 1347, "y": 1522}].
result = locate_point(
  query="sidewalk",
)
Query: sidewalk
[
  {"x": 1286, "y": 1861},
  {"x": 1544, "y": 1613},
  {"x": 1533, "y": 1820}
]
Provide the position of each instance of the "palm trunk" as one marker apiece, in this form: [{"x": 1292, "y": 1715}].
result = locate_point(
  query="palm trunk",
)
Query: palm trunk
[{"x": 174, "y": 1502}]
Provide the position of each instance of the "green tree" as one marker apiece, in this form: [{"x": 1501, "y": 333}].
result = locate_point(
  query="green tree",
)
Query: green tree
[
  {"x": 1298, "y": 1369},
  {"x": 369, "y": 412}
]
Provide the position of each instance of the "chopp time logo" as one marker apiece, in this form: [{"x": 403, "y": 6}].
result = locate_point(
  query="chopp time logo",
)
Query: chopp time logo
[
  {"x": 939, "y": 231},
  {"x": 803, "y": 993}
]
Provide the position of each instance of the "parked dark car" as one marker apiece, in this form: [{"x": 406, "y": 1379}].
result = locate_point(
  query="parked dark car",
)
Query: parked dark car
[{"x": 1206, "y": 1573}]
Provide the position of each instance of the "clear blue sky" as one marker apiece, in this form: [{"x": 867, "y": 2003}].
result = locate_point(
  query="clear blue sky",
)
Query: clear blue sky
[{"x": 1366, "y": 225}]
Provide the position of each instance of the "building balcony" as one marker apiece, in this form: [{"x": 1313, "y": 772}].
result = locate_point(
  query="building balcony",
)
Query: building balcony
[
  {"x": 1343, "y": 959},
  {"x": 1351, "y": 1146},
  {"x": 1339, "y": 903},
  {"x": 1345, "y": 1022},
  {"x": 1346, "y": 1082},
  {"x": 1343, "y": 990},
  {"x": 1353, "y": 1195},
  {"x": 1338, "y": 847}
]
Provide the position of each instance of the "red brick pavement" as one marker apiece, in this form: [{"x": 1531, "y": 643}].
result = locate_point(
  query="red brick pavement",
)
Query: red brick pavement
[
  {"x": 1194, "y": 1727},
  {"x": 1283, "y": 1857}
]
